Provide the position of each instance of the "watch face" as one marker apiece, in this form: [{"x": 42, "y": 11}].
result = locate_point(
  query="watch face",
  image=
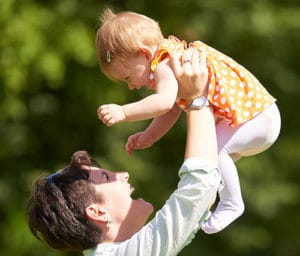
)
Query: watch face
[{"x": 199, "y": 102}]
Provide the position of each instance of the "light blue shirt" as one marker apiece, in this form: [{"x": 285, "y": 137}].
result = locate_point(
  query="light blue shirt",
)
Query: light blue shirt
[{"x": 175, "y": 224}]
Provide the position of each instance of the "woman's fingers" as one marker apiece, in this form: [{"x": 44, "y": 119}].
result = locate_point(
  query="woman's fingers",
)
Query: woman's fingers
[
  {"x": 182, "y": 64},
  {"x": 187, "y": 62},
  {"x": 191, "y": 72},
  {"x": 176, "y": 64},
  {"x": 202, "y": 62},
  {"x": 195, "y": 61},
  {"x": 187, "y": 56}
]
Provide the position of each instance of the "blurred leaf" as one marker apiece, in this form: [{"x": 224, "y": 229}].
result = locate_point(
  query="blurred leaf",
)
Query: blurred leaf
[{"x": 51, "y": 86}]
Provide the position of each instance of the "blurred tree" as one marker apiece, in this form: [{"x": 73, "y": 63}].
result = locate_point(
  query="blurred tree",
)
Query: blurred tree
[{"x": 50, "y": 88}]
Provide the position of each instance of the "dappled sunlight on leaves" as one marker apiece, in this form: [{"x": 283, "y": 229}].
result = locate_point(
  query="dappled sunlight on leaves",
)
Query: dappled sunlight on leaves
[{"x": 51, "y": 86}]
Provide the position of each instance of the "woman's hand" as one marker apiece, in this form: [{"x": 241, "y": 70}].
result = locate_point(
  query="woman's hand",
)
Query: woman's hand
[{"x": 191, "y": 74}]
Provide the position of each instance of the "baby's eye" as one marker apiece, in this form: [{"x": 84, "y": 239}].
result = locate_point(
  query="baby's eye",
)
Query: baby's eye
[{"x": 127, "y": 79}]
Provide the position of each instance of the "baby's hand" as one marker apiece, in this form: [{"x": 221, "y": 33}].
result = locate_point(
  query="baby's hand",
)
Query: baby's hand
[
  {"x": 111, "y": 114},
  {"x": 138, "y": 140}
]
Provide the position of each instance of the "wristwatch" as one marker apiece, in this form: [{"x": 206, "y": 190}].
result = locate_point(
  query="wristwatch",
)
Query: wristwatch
[{"x": 198, "y": 103}]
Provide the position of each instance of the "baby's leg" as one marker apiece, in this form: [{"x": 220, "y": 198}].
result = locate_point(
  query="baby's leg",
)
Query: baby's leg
[
  {"x": 231, "y": 204},
  {"x": 248, "y": 139}
]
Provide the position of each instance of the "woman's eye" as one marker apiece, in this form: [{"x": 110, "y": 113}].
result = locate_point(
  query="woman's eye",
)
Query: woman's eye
[{"x": 106, "y": 176}]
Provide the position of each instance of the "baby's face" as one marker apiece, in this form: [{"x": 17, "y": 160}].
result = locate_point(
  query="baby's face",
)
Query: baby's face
[{"x": 135, "y": 72}]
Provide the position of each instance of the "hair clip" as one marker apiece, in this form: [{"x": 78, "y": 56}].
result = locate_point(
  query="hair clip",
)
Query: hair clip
[
  {"x": 51, "y": 182},
  {"x": 50, "y": 178},
  {"x": 108, "y": 57}
]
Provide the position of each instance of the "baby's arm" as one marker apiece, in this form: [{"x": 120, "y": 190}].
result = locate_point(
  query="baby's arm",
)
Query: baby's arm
[
  {"x": 158, "y": 103},
  {"x": 157, "y": 129},
  {"x": 152, "y": 106}
]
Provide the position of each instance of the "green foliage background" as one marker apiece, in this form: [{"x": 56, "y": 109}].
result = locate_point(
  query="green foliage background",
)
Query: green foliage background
[{"x": 51, "y": 86}]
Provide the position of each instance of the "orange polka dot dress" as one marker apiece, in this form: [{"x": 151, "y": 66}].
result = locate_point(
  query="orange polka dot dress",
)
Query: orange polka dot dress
[{"x": 236, "y": 95}]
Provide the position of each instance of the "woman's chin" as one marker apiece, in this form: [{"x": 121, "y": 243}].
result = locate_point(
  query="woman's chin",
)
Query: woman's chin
[{"x": 144, "y": 206}]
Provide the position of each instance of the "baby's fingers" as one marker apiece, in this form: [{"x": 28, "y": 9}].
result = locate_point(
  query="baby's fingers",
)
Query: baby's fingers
[
  {"x": 102, "y": 111},
  {"x": 107, "y": 120},
  {"x": 130, "y": 144}
]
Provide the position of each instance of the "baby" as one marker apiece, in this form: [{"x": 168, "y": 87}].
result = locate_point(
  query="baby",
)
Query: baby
[{"x": 132, "y": 49}]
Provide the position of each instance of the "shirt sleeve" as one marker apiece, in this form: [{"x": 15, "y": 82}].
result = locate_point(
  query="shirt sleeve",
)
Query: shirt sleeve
[{"x": 176, "y": 223}]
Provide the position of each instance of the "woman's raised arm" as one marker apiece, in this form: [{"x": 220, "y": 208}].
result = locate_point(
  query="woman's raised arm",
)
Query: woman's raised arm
[{"x": 192, "y": 76}]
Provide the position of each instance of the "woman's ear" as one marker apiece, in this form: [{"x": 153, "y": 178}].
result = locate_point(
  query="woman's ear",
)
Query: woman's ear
[
  {"x": 145, "y": 52},
  {"x": 95, "y": 212}
]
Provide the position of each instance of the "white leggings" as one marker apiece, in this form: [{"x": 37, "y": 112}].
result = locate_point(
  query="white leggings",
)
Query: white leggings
[{"x": 250, "y": 138}]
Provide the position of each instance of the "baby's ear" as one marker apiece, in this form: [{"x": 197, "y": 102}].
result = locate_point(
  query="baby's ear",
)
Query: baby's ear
[{"x": 145, "y": 52}]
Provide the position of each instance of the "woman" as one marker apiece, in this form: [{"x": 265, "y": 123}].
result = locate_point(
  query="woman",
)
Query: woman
[{"x": 87, "y": 208}]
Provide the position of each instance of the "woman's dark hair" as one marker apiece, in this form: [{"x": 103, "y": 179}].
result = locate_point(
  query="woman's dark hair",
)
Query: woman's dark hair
[{"x": 56, "y": 207}]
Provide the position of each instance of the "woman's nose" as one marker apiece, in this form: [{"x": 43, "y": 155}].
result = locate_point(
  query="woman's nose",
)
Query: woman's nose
[{"x": 123, "y": 176}]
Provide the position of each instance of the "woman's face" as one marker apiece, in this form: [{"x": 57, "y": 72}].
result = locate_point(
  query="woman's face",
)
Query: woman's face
[{"x": 114, "y": 191}]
